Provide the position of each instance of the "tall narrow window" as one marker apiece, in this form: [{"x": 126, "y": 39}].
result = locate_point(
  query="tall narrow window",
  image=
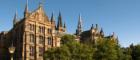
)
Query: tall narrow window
[
  {"x": 32, "y": 51},
  {"x": 32, "y": 38},
  {"x": 41, "y": 29},
  {"x": 49, "y": 31},
  {"x": 32, "y": 27},
  {"x": 49, "y": 41},
  {"x": 41, "y": 50},
  {"x": 41, "y": 39}
]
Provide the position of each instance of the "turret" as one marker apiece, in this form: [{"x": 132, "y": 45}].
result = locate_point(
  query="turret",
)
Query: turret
[{"x": 60, "y": 24}]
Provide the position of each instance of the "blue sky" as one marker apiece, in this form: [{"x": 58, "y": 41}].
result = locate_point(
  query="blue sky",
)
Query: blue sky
[{"x": 119, "y": 16}]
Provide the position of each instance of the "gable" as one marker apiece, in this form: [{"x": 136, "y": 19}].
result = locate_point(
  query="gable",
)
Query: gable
[{"x": 39, "y": 15}]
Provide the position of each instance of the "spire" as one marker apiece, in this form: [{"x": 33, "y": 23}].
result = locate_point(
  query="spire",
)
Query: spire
[
  {"x": 102, "y": 32},
  {"x": 79, "y": 27},
  {"x": 59, "y": 21},
  {"x": 80, "y": 23},
  {"x": 52, "y": 18},
  {"x": 26, "y": 9},
  {"x": 15, "y": 18}
]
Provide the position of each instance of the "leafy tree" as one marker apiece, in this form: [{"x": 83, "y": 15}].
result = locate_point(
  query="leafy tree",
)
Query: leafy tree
[
  {"x": 106, "y": 49},
  {"x": 135, "y": 52},
  {"x": 102, "y": 49},
  {"x": 70, "y": 50}
]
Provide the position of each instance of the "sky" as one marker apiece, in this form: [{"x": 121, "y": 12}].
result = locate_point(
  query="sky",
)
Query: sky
[{"x": 119, "y": 16}]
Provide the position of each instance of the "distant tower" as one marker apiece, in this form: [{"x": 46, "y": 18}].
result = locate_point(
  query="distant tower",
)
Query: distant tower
[
  {"x": 79, "y": 27},
  {"x": 15, "y": 19},
  {"x": 26, "y": 13}
]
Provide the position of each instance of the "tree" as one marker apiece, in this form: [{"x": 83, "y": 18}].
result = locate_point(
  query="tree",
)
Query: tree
[
  {"x": 106, "y": 49},
  {"x": 70, "y": 50},
  {"x": 135, "y": 52}
]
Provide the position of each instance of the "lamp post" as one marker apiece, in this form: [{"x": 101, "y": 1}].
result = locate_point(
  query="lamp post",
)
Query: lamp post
[{"x": 12, "y": 50}]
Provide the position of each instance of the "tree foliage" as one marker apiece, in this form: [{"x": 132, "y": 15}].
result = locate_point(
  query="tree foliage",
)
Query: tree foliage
[
  {"x": 104, "y": 49},
  {"x": 70, "y": 50}
]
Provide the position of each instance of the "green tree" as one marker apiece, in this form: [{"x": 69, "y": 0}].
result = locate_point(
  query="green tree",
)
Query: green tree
[
  {"x": 135, "y": 52},
  {"x": 70, "y": 50},
  {"x": 106, "y": 49}
]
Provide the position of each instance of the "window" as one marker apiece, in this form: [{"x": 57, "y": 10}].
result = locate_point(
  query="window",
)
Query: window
[
  {"x": 32, "y": 51},
  {"x": 49, "y": 41},
  {"x": 41, "y": 29},
  {"x": 41, "y": 39},
  {"x": 32, "y": 38},
  {"x": 49, "y": 31},
  {"x": 32, "y": 27},
  {"x": 41, "y": 50}
]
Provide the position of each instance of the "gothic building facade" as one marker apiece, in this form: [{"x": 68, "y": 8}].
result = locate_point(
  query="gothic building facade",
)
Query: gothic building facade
[
  {"x": 35, "y": 33},
  {"x": 32, "y": 35}
]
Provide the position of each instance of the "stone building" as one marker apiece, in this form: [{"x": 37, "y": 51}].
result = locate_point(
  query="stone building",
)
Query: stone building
[
  {"x": 92, "y": 34},
  {"x": 33, "y": 34}
]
